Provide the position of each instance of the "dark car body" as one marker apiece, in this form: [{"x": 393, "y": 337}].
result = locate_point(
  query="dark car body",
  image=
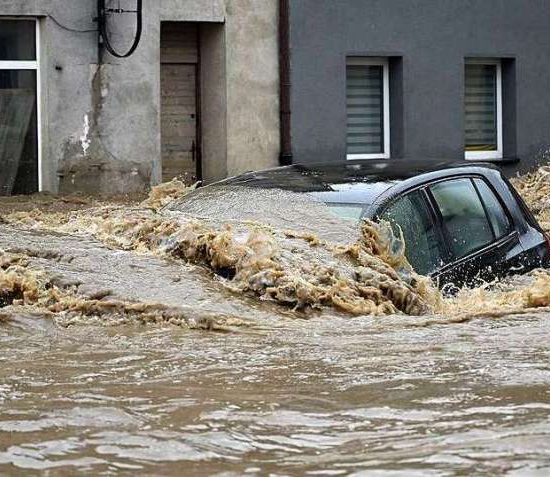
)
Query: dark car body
[{"x": 462, "y": 222}]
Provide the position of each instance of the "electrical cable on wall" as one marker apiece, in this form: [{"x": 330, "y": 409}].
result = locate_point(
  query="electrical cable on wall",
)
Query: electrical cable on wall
[
  {"x": 74, "y": 30},
  {"x": 103, "y": 13}
]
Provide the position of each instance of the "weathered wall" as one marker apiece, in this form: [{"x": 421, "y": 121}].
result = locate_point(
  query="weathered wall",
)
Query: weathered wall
[
  {"x": 252, "y": 84},
  {"x": 432, "y": 37},
  {"x": 192, "y": 11},
  {"x": 101, "y": 125},
  {"x": 213, "y": 101}
]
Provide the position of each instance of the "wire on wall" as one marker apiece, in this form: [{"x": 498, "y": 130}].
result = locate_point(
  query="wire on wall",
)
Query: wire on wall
[
  {"x": 103, "y": 13},
  {"x": 74, "y": 30}
]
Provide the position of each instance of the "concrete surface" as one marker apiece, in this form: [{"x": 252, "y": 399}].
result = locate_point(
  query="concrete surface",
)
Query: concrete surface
[
  {"x": 252, "y": 85},
  {"x": 101, "y": 124}
]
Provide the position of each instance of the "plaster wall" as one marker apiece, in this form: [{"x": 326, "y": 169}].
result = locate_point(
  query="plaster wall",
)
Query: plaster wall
[
  {"x": 252, "y": 85},
  {"x": 213, "y": 101},
  {"x": 101, "y": 120}
]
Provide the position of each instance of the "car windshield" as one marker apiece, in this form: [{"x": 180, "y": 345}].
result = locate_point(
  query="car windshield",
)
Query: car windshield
[
  {"x": 281, "y": 209},
  {"x": 331, "y": 185},
  {"x": 350, "y": 212}
]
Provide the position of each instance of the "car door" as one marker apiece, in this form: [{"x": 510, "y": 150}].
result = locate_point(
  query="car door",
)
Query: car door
[
  {"x": 477, "y": 230},
  {"x": 412, "y": 215}
]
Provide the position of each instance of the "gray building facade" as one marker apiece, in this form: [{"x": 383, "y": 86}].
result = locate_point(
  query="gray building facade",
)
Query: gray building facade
[
  {"x": 420, "y": 79},
  {"x": 197, "y": 99}
]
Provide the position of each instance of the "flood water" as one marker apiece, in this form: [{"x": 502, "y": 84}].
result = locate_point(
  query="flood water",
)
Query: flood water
[
  {"x": 267, "y": 391},
  {"x": 320, "y": 397}
]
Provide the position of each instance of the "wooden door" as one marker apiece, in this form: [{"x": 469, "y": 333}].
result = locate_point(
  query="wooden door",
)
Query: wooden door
[
  {"x": 179, "y": 121},
  {"x": 179, "y": 56}
]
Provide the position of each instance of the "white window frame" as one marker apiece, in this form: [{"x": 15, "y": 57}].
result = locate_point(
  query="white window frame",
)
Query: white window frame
[
  {"x": 31, "y": 65},
  {"x": 498, "y": 153},
  {"x": 384, "y": 62}
]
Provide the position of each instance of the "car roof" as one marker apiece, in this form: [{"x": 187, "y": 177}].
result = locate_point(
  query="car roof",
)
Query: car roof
[{"x": 352, "y": 182}]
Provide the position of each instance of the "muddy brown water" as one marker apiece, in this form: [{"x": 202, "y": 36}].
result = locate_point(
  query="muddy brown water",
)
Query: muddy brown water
[
  {"x": 304, "y": 398},
  {"x": 275, "y": 392}
]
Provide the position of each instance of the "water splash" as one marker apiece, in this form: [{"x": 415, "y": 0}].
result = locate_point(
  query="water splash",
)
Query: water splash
[
  {"x": 256, "y": 249},
  {"x": 367, "y": 277}
]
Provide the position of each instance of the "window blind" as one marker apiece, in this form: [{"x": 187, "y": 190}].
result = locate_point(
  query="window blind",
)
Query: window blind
[
  {"x": 365, "y": 109},
  {"x": 481, "y": 108}
]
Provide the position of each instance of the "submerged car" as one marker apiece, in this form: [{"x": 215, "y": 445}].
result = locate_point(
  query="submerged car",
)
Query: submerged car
[{"x": 462, "y": 222}]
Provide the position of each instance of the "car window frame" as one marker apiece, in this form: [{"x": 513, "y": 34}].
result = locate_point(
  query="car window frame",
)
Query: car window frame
[
  {"x": 437, "y": 219},
  {"x": 454, "y": 262},
  {"x": 485, "y": 208},
  {"x": 522, "y": 216},
  {"x": 454, "y": 258},
  {"x": 436, "y": 222}
]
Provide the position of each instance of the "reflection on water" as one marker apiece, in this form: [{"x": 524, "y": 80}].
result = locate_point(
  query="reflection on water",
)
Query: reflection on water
[{"x": 91, "y": 381}]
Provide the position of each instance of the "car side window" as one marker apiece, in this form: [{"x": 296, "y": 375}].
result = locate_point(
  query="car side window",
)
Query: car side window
[
  {"x": 463, "y": 215},
  {"x": 498, "y": 218},
  {"x": 423, "y": 247}
]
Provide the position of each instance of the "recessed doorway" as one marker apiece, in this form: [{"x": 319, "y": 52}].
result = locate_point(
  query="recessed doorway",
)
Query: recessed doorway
[{"x": 180, "y": 101}]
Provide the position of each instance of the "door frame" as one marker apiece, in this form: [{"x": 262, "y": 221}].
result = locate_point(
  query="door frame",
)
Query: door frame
[{"x": 198, "y": 95}]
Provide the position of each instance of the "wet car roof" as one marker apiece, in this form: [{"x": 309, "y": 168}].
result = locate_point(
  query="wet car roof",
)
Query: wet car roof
[{"x": 351, "y": 182}]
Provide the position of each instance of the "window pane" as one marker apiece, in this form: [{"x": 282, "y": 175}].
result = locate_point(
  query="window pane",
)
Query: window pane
[
  {"x": 497, "y": 216},
  {"x": 345, "y": 211},
  {"x": 422, "y": 246},
  {"x": 18, "y": 132},
  {"x": 463, "y": 216},
  {"x": 481, "y": 108},
  {"x": 365, "y": 109},
  {"x": 17, "y": 40}
]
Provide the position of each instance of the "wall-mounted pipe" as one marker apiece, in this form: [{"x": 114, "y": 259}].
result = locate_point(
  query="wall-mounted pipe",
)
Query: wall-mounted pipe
[{"x": 285, "y": 157}]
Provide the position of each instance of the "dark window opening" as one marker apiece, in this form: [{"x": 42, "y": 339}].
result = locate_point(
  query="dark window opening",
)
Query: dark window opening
[
  {"x": 18, "y": 132},
  {"x": 17, "y": 40},
  {"x": 18, "y": 108}
]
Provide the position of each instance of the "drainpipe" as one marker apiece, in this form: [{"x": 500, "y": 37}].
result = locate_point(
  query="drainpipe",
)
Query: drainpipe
[{"x": 285, "y": 157}]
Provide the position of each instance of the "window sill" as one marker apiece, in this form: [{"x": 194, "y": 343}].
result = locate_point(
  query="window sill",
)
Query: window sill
[
  {"x": 502, "y": 160},
  {"x": 354, "y": 157}
]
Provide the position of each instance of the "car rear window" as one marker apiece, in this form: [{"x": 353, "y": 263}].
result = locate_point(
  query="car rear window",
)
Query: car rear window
[
  {"x": 497, "y": 216},
  {"x": 463, "y": 214},
  {"x": 422, "y": 245}
]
